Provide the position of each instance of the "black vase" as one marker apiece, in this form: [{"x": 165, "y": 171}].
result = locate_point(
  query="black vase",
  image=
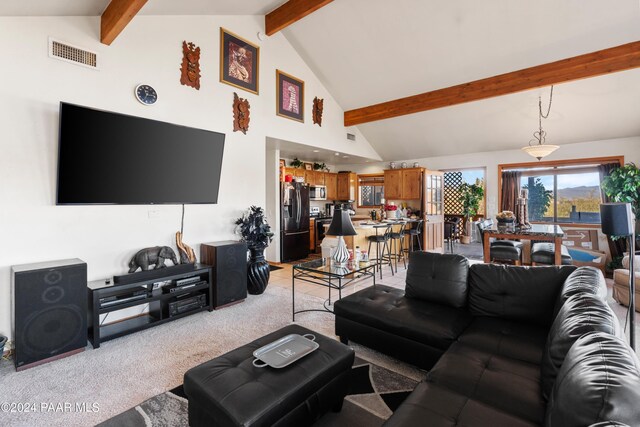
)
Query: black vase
[{"x": 257, "y": 272}]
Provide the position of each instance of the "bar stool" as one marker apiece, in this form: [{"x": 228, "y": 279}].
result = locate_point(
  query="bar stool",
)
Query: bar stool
[
  {"x": 382, "y": 256},
  {"x": 397, "y": 239},
  {"x": 414, "y": 232}
]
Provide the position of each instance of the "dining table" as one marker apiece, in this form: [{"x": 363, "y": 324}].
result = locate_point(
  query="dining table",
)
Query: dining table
[{"x": 535, "y": 232}]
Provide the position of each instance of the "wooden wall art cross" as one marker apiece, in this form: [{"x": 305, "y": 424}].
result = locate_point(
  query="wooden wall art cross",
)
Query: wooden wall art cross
[
  {"x": 190, "y": 70},
  {"x": 318, "y": 105},
  {"x": 240, "y": 114}
]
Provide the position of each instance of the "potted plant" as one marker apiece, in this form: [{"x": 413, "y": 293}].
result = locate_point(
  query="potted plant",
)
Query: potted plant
[
  {"x": 470, "y": 196},
  {"x": 297, "y": 163},
  {"x": 255, "y": 230},
  {"x": 319, "y": 166},
  {"x": 623, "y": 186}
]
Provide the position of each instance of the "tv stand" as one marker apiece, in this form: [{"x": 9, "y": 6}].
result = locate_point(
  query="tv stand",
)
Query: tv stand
[{"x": 117, "y": 297}]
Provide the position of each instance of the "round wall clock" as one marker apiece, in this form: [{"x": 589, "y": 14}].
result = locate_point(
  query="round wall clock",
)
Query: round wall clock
[{"x": 146, "y": 94}]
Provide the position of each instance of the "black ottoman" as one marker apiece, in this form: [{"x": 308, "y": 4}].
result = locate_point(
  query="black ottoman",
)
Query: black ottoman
[{"x": 230, "y": 391}]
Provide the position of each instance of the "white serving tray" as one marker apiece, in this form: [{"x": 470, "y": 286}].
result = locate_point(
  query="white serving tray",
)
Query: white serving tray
[{"x": 285, "y": 351}]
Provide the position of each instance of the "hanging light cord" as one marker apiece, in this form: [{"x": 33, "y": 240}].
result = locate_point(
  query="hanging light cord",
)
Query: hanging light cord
[{"x": 540, "y": 135}]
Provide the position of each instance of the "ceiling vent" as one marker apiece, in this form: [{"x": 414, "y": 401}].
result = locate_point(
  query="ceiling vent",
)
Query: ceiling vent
[
  {"x": 72, "y": 54},
  {"x": 351, "y": 137}
]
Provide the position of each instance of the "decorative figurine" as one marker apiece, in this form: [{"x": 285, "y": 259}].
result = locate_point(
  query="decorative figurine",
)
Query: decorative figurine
[
  {"x": 155, "y": 255},
  {"x": 187, "y": 254},
  {"x": 240, "y": 114},
  {"x": 190, "y": 69},
  {"x": 318, "y": 105}
]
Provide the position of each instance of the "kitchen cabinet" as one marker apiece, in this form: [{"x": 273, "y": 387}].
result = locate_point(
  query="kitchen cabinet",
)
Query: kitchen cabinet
[
  {"x": 312, "y": 235},
  {"x": 331, "y": 181},
  {"x": 309, "y": 177},
  {"x": 294, "y": 172},
  {"x": 319, "y": 178},
  {"x": 347, "y": 182},
  {"x": 393, "y": 184},
  {"x": 403, "y": 184}
]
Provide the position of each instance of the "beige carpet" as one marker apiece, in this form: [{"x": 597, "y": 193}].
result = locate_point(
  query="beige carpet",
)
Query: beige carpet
[{"x": 127, "y": 371}]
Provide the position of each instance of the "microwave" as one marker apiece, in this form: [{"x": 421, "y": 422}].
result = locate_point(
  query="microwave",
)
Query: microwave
[{"x": 317, "y": 192}]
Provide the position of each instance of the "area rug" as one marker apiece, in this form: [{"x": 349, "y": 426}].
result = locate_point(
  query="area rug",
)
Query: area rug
[{"x": 374, "y": 394}]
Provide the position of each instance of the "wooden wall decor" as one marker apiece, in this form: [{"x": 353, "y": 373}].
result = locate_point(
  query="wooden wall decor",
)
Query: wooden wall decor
[
  {"x": 240, "y": 114},
  {"x": 318, "y": 105},
  {"x": 190, "y": 70}
]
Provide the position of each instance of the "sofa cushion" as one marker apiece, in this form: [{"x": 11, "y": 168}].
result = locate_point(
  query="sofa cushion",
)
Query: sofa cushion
[
  {"x": 386, "y": 309},
  {"x": 516, "y": 293},
  {"x": 515, "y": 340},
  {"x": 580, "y": 314},
  {"x": 435, "y": 406},
  {"x": 439, "y": 278},
  {"x": 491, "y": 379},
  {"x": 582, "y": 280},
  {"x": 599, "y": 381}
]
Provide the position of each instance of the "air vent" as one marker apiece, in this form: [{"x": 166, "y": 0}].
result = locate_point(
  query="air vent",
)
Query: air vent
[
  {"x": 351, "y": 137},
  {"x": 72, "y": 54}
]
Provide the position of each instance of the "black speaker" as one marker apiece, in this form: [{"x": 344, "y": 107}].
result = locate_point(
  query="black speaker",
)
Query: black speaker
[
  {"x": 616, "y": 219},
  {"x": 229, "y": 262},
  {"x": 49, "y": 318}
]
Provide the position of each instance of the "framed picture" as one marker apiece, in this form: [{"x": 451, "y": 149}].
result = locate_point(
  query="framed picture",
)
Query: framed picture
[
  {"x": 290, "y": 96},
  {"x": 282, "y": 163},
  {"x": 308, "y": 166},
  {"x": 239, "y": 62}
]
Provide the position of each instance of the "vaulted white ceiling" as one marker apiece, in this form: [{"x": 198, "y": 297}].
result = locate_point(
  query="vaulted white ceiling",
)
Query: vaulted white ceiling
[{"x": 371, "y": 51}]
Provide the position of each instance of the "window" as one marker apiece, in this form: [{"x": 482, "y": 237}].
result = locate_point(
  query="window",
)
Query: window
[
  {"x": 563, "y": 194},
  {"x": 370, "y": 190},
  {"x": 560, "y": 191},
  {"x": 452, "y": 181}
]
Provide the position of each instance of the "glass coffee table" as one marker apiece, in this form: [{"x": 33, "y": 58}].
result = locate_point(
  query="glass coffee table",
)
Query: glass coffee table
[{"x": 324, "y": 272}]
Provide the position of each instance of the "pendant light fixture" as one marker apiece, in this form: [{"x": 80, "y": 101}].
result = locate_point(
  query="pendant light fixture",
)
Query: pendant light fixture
[{"x": 537, "y": 147}]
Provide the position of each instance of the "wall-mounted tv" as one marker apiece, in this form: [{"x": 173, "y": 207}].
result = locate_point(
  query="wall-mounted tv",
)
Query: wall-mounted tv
[{"x": 111, "y": 158}]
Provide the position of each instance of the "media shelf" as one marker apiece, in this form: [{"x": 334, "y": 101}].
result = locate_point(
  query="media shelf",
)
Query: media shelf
[{"x": 140, "y": 294}]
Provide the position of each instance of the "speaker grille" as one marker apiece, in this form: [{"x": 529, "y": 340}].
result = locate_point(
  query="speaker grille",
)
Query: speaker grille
[{"x": 49, "y": 331}]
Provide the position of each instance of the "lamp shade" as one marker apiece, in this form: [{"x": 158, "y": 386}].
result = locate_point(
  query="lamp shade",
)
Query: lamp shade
[
  {"x": 616, "y": 219},
  {"x": 341, "y": 224}
]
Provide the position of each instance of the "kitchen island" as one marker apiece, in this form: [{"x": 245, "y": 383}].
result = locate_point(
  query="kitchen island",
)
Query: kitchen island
[{"x": 371, "y": 228}]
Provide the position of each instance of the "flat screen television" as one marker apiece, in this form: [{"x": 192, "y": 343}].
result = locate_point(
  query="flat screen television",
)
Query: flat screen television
[{"x": 111, "y": 158}]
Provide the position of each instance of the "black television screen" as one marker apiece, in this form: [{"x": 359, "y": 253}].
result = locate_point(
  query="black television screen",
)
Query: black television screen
[{"x": 111, "y": 158}]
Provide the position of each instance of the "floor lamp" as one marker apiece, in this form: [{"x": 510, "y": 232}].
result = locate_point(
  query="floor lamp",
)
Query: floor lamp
[{"x": 617, "y": 220}]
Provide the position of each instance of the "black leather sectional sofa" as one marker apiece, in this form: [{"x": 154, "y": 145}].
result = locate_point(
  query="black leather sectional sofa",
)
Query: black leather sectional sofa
[{"x": 504, "y": 345}]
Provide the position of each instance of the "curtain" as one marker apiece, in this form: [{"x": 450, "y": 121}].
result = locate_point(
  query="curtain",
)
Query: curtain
[
  {"x": 510, "y": 190},
  {"x": 605, "y": 170},
  {"x": 616, "y": 247}
]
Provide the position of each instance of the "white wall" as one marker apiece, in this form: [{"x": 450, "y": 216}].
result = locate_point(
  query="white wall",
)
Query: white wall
[{"x": 149, "y": 50}]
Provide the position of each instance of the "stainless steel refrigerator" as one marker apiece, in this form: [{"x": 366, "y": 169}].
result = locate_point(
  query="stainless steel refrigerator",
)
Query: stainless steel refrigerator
[{"x": 294, "y": 221}]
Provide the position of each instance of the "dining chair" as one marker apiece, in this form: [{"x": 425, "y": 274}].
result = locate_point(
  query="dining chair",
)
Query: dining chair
[{"x": 501, "y": 250}]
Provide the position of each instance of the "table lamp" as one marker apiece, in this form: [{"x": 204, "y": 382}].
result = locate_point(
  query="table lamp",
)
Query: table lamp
[
  {"x": 341, "y": 226},
  {"x": 617, "y": 220}
]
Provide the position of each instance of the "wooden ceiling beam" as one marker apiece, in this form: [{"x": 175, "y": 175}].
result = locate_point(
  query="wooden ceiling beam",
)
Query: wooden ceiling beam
[
  {"x": 290, "y": 12},
  {"x": 116, "y": 17},
  {"x": 619, "y": 58}
]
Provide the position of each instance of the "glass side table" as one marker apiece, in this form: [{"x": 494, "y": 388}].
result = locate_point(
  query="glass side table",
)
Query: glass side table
[{"x": 323, "y": 272}]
